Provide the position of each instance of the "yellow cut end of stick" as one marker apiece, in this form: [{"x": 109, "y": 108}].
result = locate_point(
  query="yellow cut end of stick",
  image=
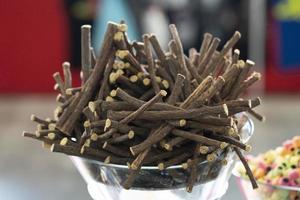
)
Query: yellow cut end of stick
[
  {"x": 131, "y": 134},
  {"x": 87, "y": 143},
  {"x": 48, "y": 119},
  {"x": 119, "y": 72},
  {"x": 104, "y": 145},
  {"x": 223, "y": 145},
  {"x": 51, "y": 136},
  {"x": 225, "y": 109},
  {"x": 249, "y": 103},
  {"x": 224, "y": 162},
  {"x": 113, "y": 77},
  {"x": 140, "y": 75},
  {"x": 107, "y": 160},
  {"x": 32, "y": 117},
  {"x": 237, "y": 51},
  {"x": 248, "y": 148},
  {"x": 118, "y": 36},
  {"x": 39, "y": 127},
  {"x": 115, "y": 65},
  {"x": 37, "y": 134},
  {"x": 203, "y": 149},
  {"x": 69, "y": 91},
  {"x": 58, "y": 97},
  {"x": 184, "y": 165},
  {"x": 52, "y": 126},
  {"x": 94, "y": 137},
  {"x": 182, "y": 122},
  {"x": 113, "y": 93},
  {"x": 211, "y": 157},
  {"x": 109, "y": 99},
  {"x": 66, "y": 64},
  {"x": 126, "y": 65},
  {"x": 82, "y": 150},
  {"x": 250, "y": 63},
  {"x": 158, "y": 79},
  {"x": 107, "y": 124},
  {"x": 122, "y": 27},
  {"x": 87, "y": 124},
  {"x": 92, "y": 106},
  {"x": 56, "y": 86},
  {"x": 128, "y": 165},
  {"x": 133, "y": 78},
  {"x": 163, "y": 93},
  {"x": 146, "y": 81},
  {"x": 230, "y": 131},
  {"x": 122, "y": 53},
  {"x": 165, "y": 83},
  {"x": 168, "y": 147},
  {"x": 64, "y": 141},
  {"x": 121, "y": 65},
  {"x": 161, "y": 166},
  {"x": 133, "y": 166}
]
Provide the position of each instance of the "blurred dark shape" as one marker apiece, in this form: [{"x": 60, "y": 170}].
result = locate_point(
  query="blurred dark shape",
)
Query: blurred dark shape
[{"x": 195, "y": 17}]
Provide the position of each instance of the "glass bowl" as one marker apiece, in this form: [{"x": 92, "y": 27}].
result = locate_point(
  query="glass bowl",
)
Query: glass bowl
[
  {"x": 104, "y": 180},
  {"x": 265, "y": 191}
]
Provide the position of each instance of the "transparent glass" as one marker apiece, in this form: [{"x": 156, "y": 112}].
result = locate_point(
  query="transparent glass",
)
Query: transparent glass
[
  {"x": 104, "y": 181},
  {"x": 266, "y": 191}
]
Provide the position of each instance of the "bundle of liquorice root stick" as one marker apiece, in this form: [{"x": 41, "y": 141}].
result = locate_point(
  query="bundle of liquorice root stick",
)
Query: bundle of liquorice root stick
[{"x": 139, "y": 105}]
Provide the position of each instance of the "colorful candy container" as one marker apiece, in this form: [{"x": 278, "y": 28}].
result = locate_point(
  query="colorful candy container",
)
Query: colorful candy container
[{"x": 277, "y": 172}]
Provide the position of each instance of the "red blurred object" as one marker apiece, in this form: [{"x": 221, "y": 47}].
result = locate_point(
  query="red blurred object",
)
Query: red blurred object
[{"x": 33, "y": 44}]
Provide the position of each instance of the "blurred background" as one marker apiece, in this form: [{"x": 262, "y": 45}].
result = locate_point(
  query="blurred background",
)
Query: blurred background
[{"x": 37, "y": 36}]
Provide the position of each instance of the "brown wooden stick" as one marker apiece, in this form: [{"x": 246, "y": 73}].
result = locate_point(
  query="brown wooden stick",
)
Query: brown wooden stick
[
  {"x": 207, "y": 38},
  {"x": 257, "y": 115},
  {"x": 176, "y": 91},
  {"x": 67, "y": 75},
  {"x": 195, "y": 137},
  {"x": 229, "y": 140},
  {"x": 33, "y": 136},
  {"x": 236, "y": 55},
  {"x": 202, "y": 65},
  {"x": 86, "y": 60},
  {"x": 172, "y": 115},
  {"x": 151, "y": 65},
  {"x": 174, "y": 161},
  {"x": 105, "y": 80},
  {"x": 60, "y": 83},
  {"x": 248, "y": 170},
  {"x": 116, "y": 150},
  {"x": 171, "y": 143},
  {"x": 138, "y": 103}
]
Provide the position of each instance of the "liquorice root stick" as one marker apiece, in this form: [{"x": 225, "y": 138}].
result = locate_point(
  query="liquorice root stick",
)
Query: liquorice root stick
[
  {"x": 86, "y": 59},
  {"x": 177, "y": 89},
  {"x": 174, "y": 161},
  {"x": 67, "y": 75},
  {"x": 138, "y": 103},
  {"x": 195, "y": 137},
  {"x": 173, "y": 115},
  {"x": 248, "y": 170},
  {"x": 151, "y": 65},
  {"x": 105, "y": 80}
]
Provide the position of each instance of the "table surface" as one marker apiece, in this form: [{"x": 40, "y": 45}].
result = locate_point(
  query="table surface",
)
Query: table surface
[{"x": 27, "y": 171}]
